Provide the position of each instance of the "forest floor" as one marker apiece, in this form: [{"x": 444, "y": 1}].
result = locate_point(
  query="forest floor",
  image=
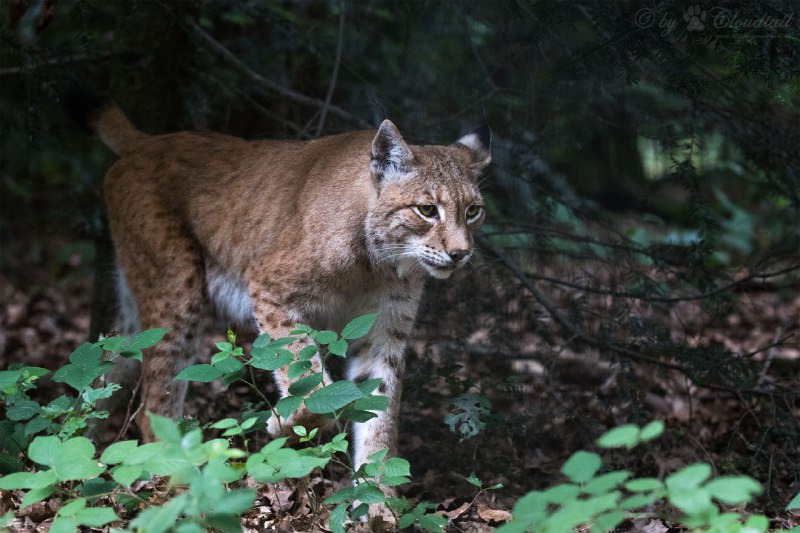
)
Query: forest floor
[{"x": 546, "y": 402}]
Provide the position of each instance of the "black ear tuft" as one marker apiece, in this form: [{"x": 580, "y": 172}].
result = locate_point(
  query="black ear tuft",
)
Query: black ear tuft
[
  {"x": 83, "y": 104},
  {"x": 391, "y": 157},
  {"x": 479, "y": 143},
  {"x": 484, "y": 135}
]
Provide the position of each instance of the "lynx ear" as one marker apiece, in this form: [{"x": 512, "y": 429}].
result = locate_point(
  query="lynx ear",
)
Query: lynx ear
[
  {"x": 479, "y": 143},
  {"x": 390, "y": 153}
]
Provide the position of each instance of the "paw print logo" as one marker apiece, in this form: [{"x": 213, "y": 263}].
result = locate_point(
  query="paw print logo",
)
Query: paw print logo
[{"x": 694, "y": 17}]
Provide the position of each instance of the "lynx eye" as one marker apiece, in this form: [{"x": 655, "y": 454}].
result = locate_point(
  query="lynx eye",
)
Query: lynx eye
[
  {"x": 428, "y": 211},
  {"x": 473, "y": 211}
]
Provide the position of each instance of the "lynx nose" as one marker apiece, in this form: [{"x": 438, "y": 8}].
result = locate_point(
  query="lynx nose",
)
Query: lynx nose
[{"x": 458, "y": 255}]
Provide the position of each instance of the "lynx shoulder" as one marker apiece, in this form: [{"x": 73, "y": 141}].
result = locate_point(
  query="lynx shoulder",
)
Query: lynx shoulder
[{"x": 276, "y": 233}]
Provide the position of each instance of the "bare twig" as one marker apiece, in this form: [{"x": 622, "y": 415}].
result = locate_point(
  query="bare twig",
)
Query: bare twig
[
  {"x": 663, "y": 299},
  {"x": 339, "y": 45},
  {"x": 128, "y": 415},
  {"x": 563, "y": 321},
  {"x": 55, "y": 62},
  {"x": 582, "y": 336},
  {"x": 212, "y": 44}
]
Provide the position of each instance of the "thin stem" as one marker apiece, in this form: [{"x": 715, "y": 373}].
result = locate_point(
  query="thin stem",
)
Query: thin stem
[{"x": 324, "y": 113}]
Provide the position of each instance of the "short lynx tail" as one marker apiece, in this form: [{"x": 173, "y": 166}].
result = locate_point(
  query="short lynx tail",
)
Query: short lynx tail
[{"x": 102, "y": 116}]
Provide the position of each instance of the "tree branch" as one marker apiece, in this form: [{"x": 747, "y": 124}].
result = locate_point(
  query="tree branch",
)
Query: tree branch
[
  {"x": 563, "y": 321},
  {"x": 55, "y": 62},
  {"x": 581, "y": 335},
  {"x": 212, "y": 44},
  {"x": 340, "y": 41}
]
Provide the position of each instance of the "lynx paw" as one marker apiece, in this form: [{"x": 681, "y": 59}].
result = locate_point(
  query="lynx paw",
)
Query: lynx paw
[{"x": 381, "y": 518}]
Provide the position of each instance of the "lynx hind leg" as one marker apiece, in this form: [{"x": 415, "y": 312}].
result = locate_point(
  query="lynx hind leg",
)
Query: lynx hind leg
[
  {"x": 168, "y": 288},
  {"x": 125, "y": 372}
]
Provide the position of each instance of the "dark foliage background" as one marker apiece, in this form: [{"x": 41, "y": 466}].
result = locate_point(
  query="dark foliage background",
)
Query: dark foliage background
[{"x": 640, "y": 258}]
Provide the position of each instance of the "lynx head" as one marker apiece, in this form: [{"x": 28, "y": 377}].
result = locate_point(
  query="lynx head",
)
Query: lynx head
[{"x": 428, "y": 204}]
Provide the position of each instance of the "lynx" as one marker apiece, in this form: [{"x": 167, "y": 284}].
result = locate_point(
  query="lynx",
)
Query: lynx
[{"x": 277, "y": 233}]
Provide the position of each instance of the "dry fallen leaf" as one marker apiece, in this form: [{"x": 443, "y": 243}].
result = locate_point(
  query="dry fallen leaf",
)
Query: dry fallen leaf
[
  {"x": 493, "y": 515},
  {"x": 458, "y": 511}
]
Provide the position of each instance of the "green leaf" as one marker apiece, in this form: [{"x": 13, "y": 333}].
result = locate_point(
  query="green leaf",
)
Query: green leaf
[
  {"x": 94, "y": 487},
  {"x": 432, "y": 522},
  {"x": 229, "y": 365},
  {"x": 288, "y": 405},
  {"x": 96, "y": 516},
  {"x": 472, "y": 480},
  {"x": 626, "y": 435},
  {"x": 757, "y": 522},
  {"x": 283, "y": 341},
  {"x": 64, "y": 525},
  {"x": 84, "y": 367},
  {"x": 270, "y": 359},
  {"x": 22, "y": 410},
  {"x": 262, "y": 341},
  {"x": 733, "y": 490},
  {"x": 652, "y": 430},
  {"x": 370, "y": 403},
  {"x": 358, "y": 327},
  {"x": 160, "y": 519},
  {"x": 582, "y": 466},
  {"x": 147, "y": 339},
  {"x": 369, "y": 493},
  {"x": 561, "y": 494},
  {"x": 379, "y": 456},
  {"x": 303, "y": 386},
  {"x": 407, "y": 520},
  {"x": 342, "y": 495},
  {"x": 250, "y": 422},
  {"x": 688, "y": 478},
  {"x": 126, "y": 474},
  {"x": 36, "y": 495},
  {"x": 118, "y": 452},
  {"x": 369, "y": 385},
  {"x": 643, "y": 484},
  {"x": 236, "y": 501},
  {"x": 608, "y": 521},
  {"x": 639, "y": 500},
  {"x": 338, "y": 348},
  {"x": 338, "y": 518},
  {"x": 308, "y": 352},
  {"x": 332, "y": 397},
  {"x": 45, "y": 450},
  {"x": 225, "y": 423},
  {"x": 325, "y": 336},
  {"x": 693, "y": 502},
  {"x": 297, "y": 369},
  {"x": 164, "y": 429},
  {"x": 605, "y": 482},
  {"x": 17, "y": 480},
  {"x": 220, "y": 356},
  {"x": 72, "y": 507},
  {"x": 202, "y": 373},
  {"x": 397, "y": 466},
  {"x": 795, "y": 503}
]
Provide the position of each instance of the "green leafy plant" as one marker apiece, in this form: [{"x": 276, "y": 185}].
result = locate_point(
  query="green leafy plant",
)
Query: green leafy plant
[
  {"x": 200, "y": 475},
  {"x": 604, "y": 499},
  {"x": 468, "y": 417}
]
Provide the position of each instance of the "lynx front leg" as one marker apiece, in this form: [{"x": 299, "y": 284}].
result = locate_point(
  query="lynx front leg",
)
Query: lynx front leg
[
  {"x": 278, "y": 322},
  {"x": 383, "y": 357},
  {"x": 385, "y": 361}
]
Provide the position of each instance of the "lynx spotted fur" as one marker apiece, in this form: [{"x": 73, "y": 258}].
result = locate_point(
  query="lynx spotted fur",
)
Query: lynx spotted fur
[{"x": 276, "y": 233}]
